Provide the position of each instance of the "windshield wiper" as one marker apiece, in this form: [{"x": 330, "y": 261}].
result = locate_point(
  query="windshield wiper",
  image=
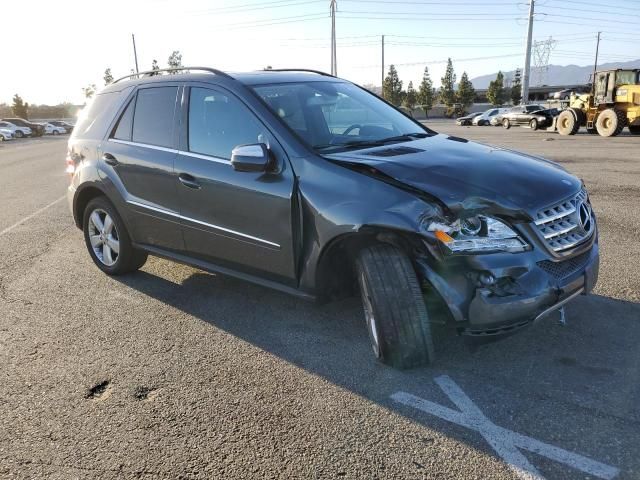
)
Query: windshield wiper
[{"x": 405, "y": 137}]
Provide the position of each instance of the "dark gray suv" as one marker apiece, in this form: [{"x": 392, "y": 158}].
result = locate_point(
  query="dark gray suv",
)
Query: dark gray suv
[{"x": 311, "y": 185}]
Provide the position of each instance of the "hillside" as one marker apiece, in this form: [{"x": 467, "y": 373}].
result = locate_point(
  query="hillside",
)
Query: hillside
[{"x": 561, "y": 74}]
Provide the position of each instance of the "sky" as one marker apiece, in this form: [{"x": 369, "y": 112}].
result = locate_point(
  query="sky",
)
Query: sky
[{"x": 54, "y": 49}]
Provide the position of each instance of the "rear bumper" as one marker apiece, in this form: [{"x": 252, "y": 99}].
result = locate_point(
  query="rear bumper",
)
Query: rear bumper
[{"x": 528, "y": 286}]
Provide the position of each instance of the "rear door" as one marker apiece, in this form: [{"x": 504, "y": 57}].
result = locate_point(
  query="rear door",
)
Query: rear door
[
  {"x": 240, "y": 220},
  {"x": 141, "y": 151}
]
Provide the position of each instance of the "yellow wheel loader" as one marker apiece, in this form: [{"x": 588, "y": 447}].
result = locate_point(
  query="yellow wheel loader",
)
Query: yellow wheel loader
[{"x": 614, "y": 103}]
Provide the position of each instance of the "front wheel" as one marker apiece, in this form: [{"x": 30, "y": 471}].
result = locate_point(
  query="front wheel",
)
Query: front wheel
[
  {"x": 533, "y": 124},
  {"x": 55, "y": 132},
  {"x": 394, "y": 308},
  {"x": 506, "y": 123},
  {"x": 108, "y": 240},
  {"x": 19, "y": 134}
]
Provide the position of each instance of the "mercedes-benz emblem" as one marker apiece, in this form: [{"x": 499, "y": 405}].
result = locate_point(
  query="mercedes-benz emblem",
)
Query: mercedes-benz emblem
[{"x": 584, "y": 216}]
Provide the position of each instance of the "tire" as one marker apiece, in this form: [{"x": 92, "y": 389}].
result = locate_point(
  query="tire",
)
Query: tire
[
  {"x": 567, "y": 123},
  {"x": 506, "y": 123},
  {"x": 19, "y": 134},
  {"x": 634, "y": 129},
  {"x": 101, "y": 242},
  {"x": 533, "y": 124},
  {"x": 55, "y": 132},
  {"x": 395, "y": 311},
  {"x": 610, "y": 122}
]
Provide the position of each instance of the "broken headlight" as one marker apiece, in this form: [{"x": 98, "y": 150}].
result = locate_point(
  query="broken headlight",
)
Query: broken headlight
[{"x": 477, "y": 234}]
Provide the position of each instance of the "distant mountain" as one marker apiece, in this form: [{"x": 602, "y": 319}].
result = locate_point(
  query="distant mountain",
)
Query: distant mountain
[{"x": 561, "y": 74}]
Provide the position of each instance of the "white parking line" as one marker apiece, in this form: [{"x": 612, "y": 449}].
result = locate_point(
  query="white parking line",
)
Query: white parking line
[
  {"x": 505, "y": 442},
  {"x": 29, "y": 217}
]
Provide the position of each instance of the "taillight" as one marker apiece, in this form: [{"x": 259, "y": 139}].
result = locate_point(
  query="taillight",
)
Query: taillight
[{"x": 71, "y": 165}]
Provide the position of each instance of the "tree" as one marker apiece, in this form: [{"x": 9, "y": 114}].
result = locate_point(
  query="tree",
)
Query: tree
[
  {"x": 447, "y": 93},
  {"x": 466, "y": 93},
  {"x": 411, "y": 97},
  {"x": 108, "y": 78},
  {"x": 495, "y": 92},
  {"x": 19, "y": 107},
  {"x": 516, "y": 88},
  {"x": 392, "y": 87},
  {"x": 175, "y": 60},
  {"x": 426, "y": 92},
  {"x": 154, "y": 68},
  {"x": 89, "y": 91}
]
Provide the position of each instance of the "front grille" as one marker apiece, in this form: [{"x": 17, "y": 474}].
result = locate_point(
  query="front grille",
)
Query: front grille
[
  {"x": 565, "y": 268},
  {"x": 567, "y": 223}
]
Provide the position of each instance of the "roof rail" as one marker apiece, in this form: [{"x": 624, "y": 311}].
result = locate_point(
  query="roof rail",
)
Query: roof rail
[
  {"x": 298, "y": 70},
  {"x": 152, "y": 73}
]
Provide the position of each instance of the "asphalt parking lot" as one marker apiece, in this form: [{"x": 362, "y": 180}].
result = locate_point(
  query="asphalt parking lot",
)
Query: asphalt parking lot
[{"x": 176, "y": 373}]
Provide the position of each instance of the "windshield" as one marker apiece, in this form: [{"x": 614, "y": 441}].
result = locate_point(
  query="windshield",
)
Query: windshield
[{"x": 336, "y": 116}]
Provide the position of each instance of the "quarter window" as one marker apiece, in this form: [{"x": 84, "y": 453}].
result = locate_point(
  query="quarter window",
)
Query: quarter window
[
  {"x": 123, "y": 130},
  {"x": 218, "y": 122},
  {"x": 154, "y": 116}
]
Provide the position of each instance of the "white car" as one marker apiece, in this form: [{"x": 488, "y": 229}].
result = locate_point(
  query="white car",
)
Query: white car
[
  {"x": 485, "y": 118},
  {"x": 50, "y": 129},
  {"x": 5, "y": 134},
  {"x": 18, "y": 132}
]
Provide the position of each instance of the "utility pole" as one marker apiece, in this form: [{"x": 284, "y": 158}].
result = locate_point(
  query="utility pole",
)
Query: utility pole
[
  {"x": 135, "y": 54},
  {"x": 527, "y": 56},
  {"x": 334, "y": 61},
  {"x": 595, "y": 66},
  {"x": 382, "y": 83}
]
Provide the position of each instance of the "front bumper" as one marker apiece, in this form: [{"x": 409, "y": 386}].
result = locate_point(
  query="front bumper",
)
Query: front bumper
[{"x": 528, "y": 286}]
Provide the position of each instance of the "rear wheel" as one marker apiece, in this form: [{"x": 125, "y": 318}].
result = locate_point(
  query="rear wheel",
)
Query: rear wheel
[
  {"x": 533, "y": 124},
  {"x": 394, "y": 308},
  {"x": 567, "y": 123},
  {"x": 506, "y": 123},
  {"x": 634, "y": 129},
  {"x": 108, "y": 241},
  {"x": 610, "y": 122}
]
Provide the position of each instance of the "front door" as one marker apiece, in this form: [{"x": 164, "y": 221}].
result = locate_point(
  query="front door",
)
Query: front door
[{"x": 239, "y": 220}]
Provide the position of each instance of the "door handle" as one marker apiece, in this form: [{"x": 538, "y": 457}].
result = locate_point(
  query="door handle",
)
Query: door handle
[
  {"x": 109, "y": 159},
  {"x": 189, "y": 181}
]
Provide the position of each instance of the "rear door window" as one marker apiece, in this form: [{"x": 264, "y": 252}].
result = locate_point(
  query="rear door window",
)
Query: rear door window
[{"x": 153, "y": 119}]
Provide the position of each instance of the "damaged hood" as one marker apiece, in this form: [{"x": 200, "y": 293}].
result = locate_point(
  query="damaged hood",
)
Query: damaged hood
[{"x": 465, "y": 175}]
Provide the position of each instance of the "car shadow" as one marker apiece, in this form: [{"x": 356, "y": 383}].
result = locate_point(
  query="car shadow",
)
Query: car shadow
[{"x": 546, "y": 362}]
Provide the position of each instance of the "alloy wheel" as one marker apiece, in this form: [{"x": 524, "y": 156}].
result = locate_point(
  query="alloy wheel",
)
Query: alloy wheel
[
  {"x": 369, "y": 316},
  {"x": 104, "y": 237}
]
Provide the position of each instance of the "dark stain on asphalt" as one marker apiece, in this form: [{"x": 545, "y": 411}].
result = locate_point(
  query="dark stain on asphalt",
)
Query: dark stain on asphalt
[
  {"x": 145, "y": 394},
  {"x": 572, "y": 362},
  {"x": 100, "y": 391}
]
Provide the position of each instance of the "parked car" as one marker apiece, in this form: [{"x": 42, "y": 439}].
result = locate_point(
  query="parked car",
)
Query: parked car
[
  {"x": 18, "y": 132},
  {"x": 36, "y": 128},
  {"x": 61, "y": 123},
  {"x": 485, "y": 117},
  {"x": 567, "y": 92},
  {"x": 466, "y": 120},
  {"x": 522, "y": 115},
  {"x": 5, "y": 134},
  {"x": 497, "y": 119},
  {"x": 51, "y": 129},
  {"x": 267, "y": 177}
]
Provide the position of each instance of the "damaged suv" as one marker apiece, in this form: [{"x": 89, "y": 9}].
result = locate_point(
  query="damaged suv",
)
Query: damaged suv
[{"x": 311, "y": 185}]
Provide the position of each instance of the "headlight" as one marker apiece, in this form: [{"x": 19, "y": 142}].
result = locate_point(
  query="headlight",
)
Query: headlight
[{"x": 477, "y": 234}]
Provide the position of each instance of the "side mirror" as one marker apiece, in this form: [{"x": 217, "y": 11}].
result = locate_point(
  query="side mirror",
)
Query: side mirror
[{"x": 251, "y": 158}]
